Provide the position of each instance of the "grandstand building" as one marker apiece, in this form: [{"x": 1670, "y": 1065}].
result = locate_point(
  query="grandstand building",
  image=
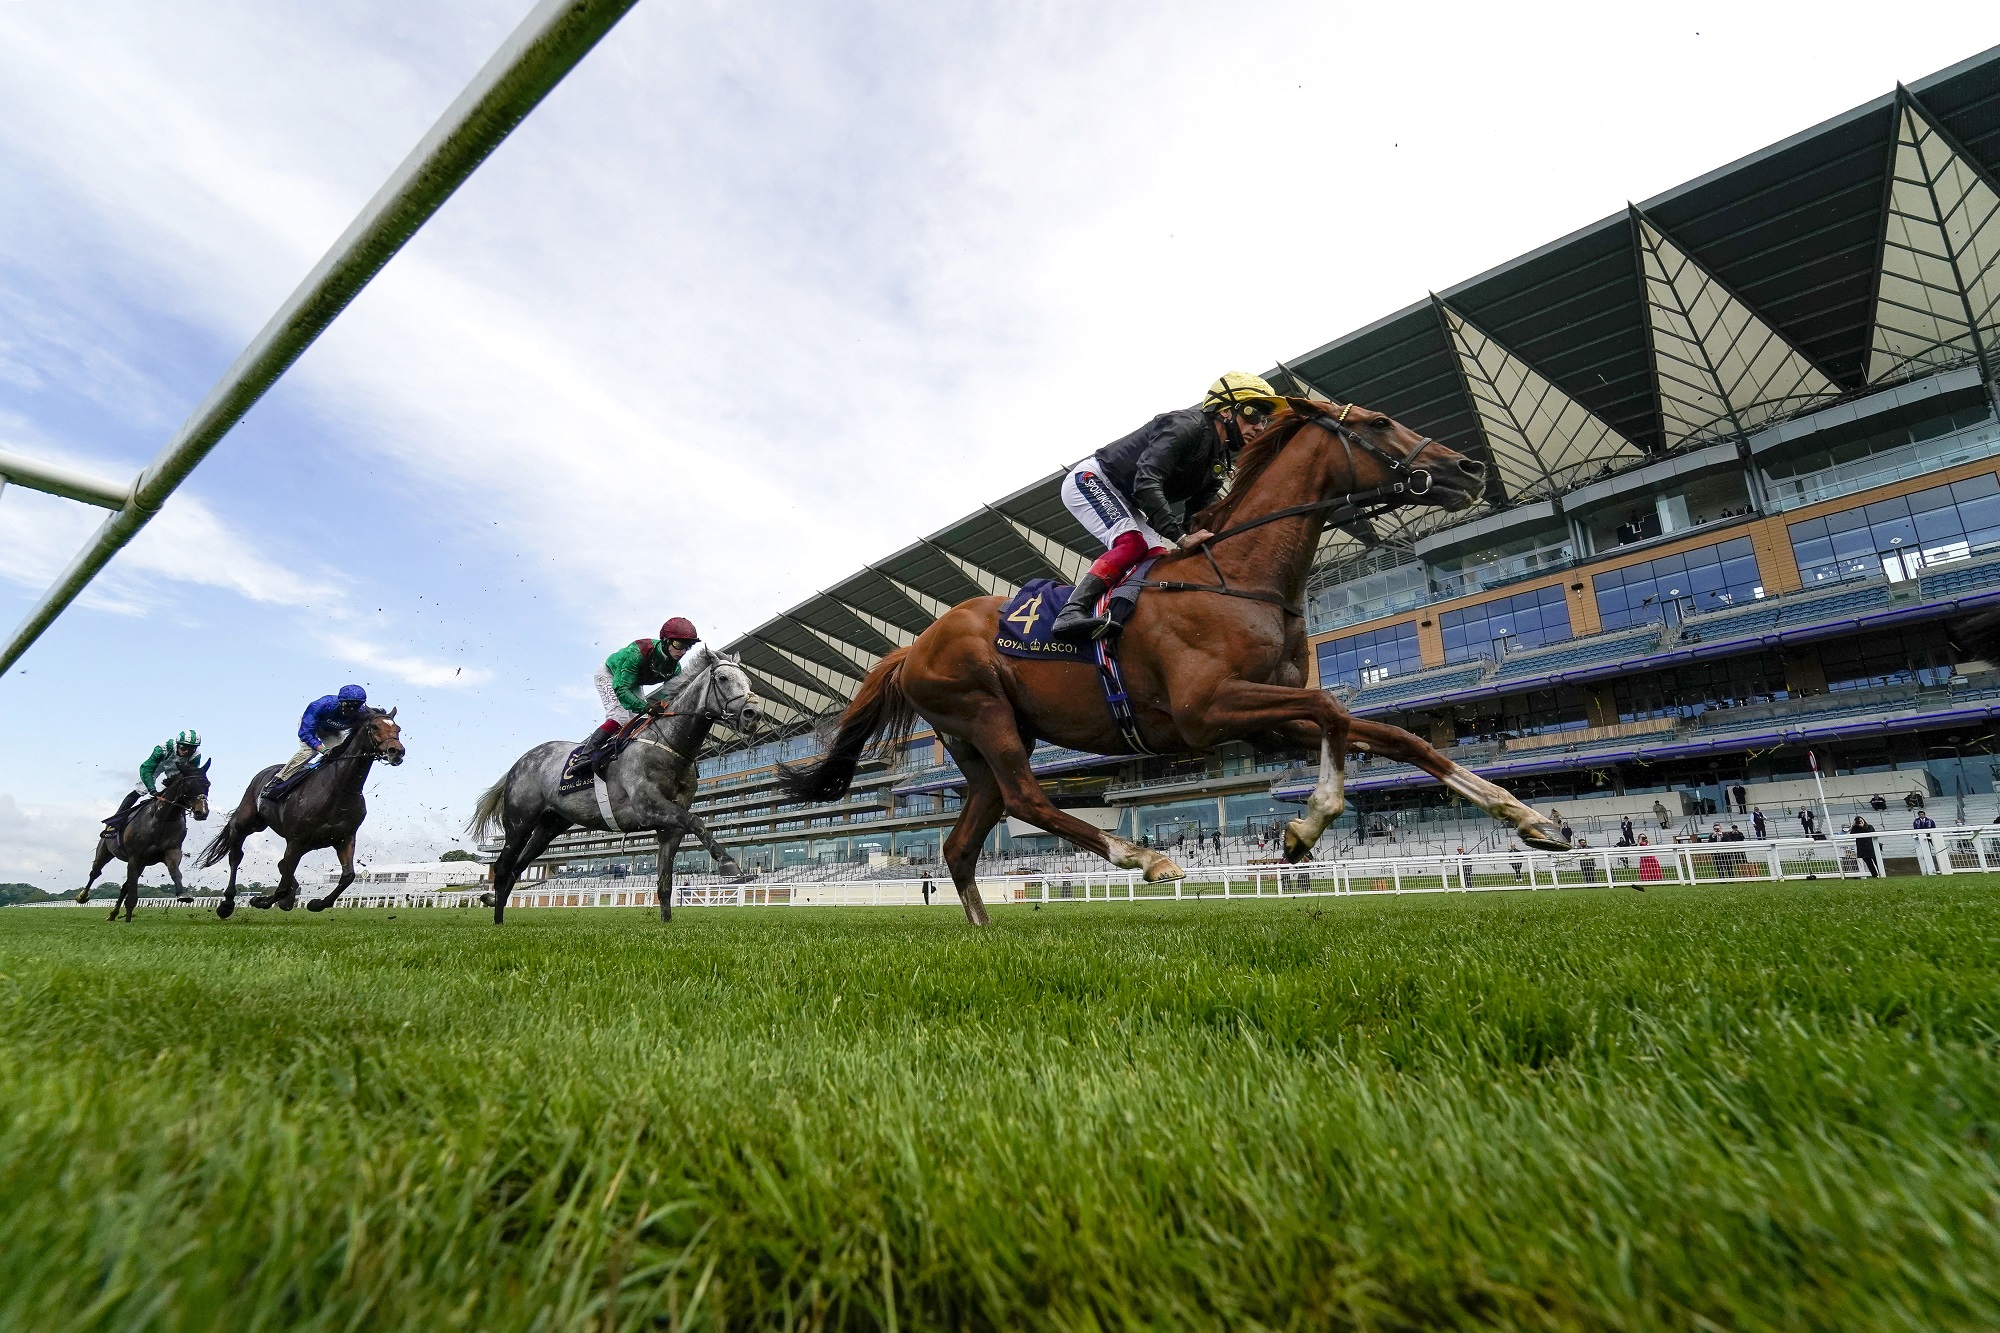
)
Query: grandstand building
[{"x": 1744, "y": 492}]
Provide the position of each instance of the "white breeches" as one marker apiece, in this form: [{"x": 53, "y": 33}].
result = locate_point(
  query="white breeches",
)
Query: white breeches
[
  {"x": 1104, "y": 513},
  {"x": 607, "y": 694}
]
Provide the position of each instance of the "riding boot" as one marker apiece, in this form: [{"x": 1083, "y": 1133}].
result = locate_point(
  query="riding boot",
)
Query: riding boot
[
  {"x": 1075, "y": 620},
  {"x": 600, "y": 747},
  {"x": 125, "y": 808}
]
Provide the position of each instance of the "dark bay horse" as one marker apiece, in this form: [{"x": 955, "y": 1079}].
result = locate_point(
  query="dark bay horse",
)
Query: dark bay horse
[
  {"x": 647, "y": 788},
  {"x": 152, "y": 835},
  {"x": 324, "y": 810},
  {"x": 1202, "y": 665}
]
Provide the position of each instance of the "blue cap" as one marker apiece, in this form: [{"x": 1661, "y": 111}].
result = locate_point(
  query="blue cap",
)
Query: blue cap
[{"x": 353, "y": 694}]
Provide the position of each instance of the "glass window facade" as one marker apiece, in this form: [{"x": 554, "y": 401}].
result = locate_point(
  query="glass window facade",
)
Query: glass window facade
[
  {"x": 1707, "y": 579},
  {"x": 1525, "y": 620},
  {"x": 1920, "y": 655},
  {"x": 1363, "y": 659},
  {"x": 1901, "y": 537}
]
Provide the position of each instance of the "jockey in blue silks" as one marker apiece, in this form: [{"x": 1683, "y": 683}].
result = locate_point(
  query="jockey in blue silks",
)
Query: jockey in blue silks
[{"x": 327, "y": 721}]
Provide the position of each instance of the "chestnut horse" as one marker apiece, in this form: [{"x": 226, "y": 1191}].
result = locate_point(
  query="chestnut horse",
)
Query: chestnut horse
[{"x": 1217, "y": 652}]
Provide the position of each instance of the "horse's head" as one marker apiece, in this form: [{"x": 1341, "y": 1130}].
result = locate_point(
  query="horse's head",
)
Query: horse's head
[
  {"x": 190, "y": 791},
  {"x": 1370, "y": 451},
  {"x": 379, "y": 737},
  {"x": 722, "y": 693}
]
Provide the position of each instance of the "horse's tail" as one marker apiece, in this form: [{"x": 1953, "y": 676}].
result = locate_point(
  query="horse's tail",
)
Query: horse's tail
[
  {"x": 218, "y": 846},
  {"x": 486, "y": 814},
  {"x": 881, "y": 712}
]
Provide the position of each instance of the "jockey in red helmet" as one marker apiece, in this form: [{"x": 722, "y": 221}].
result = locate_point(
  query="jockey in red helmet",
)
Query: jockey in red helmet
[{"x": 638, "y": 664}]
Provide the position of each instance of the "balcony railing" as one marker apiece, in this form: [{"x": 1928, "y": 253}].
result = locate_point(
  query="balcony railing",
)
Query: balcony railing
[{"x": 1908, "y": 460}]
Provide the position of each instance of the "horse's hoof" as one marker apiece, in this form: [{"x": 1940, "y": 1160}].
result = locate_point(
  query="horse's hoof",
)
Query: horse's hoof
[
  {"x": 287, "y": 904},
  {"x": 185, "y": 898},
  {"x": 1297, "y": 849},
  {"x": 82, "y": 897},
  {"x": 224, "y": 910},
  {"x": 1544, "y": 837},
  {"x": 1161, "y": 869},
  {"x": 318, "y": 905},
  {"x": 729, "y": 868},
  {"x": 261, "y": 903}
]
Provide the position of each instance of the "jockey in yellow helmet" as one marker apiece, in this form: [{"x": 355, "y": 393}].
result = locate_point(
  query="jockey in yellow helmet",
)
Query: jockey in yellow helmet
[{"x": 1135, "y": 494}]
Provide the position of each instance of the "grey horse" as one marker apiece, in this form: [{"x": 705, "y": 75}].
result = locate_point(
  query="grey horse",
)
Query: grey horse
[{"x": 647, "y": 788}]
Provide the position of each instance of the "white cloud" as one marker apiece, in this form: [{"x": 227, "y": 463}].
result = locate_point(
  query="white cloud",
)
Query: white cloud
[
  {"x": 186, "y": 544},
  {"x": 414, "y": 670}
]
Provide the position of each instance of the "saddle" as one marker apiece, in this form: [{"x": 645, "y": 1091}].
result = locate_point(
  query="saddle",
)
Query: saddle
[
  {"x": 1024, "y": 632},
  {"x": 588, "y": 760},
  {"x": 1026, "y": 618},
  {"x": 277, "y": 789},
  {"x": 114, "y": 825}
]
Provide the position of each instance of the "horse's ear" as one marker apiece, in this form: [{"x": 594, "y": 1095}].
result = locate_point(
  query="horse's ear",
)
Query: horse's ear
[
  {"x": 392, "y": 713},
  {"x": 205, "y": 763}
]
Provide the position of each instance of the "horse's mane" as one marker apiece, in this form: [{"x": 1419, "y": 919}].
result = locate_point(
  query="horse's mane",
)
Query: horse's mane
[{"x": 1250, "y": 464}]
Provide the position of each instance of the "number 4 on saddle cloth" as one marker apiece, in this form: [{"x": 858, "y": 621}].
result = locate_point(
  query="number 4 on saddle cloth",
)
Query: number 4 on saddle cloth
[{"x": 1024, "y": 632}]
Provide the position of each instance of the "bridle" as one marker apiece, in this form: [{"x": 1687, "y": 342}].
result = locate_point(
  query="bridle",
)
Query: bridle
[
  {"x": 703, "y": 710},
  {"x": 1405, "y": 482}
]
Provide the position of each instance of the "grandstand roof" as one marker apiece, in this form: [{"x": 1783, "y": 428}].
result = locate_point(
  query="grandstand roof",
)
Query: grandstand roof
[{"x": 1854, "y": 255}]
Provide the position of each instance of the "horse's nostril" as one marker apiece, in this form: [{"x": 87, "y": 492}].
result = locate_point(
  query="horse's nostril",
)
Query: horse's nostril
[{"x": 1472, "y": 467}]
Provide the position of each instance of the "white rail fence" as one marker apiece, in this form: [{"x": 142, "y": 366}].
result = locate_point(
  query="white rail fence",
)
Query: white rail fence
[{"x": 1943, "y": 851}]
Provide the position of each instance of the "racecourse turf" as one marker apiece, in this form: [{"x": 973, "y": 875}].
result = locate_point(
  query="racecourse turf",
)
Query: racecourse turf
[{"x": 1768, "y": 1107}]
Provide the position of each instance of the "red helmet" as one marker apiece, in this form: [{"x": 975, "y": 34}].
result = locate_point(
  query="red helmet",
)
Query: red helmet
[{"x": 680, "y": 627}]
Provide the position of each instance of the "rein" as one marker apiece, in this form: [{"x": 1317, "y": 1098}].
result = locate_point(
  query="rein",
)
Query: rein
[{"x": 1344, "y": 508}]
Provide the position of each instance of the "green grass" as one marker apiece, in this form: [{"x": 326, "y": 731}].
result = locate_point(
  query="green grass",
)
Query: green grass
[{"x": 1760, "y": 1107}]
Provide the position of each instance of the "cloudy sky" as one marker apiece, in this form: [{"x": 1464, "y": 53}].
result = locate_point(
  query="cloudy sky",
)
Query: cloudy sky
[{"x": 760, "y": 293}]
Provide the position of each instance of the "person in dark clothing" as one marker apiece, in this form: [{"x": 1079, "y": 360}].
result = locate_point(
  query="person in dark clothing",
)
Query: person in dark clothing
[
  {"x": 1806, "y": 821},
  {"x": 1864, "y": 847},
  {"x": 1135, "y": 494},
  {"x": 1626, "y": 838},
  {"x": 1757, "y": 822},
  {"x": 1878, "y": 803}
]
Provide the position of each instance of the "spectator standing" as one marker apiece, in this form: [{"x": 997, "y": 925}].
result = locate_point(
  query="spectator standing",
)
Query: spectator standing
[
  {"x": 1864, "y": 847},
  {"x": 1569, "y": 834},
  {"x": 929, "y": 889},
  {"x": 1660, "y": 812},
  {"x": 1926, "y": 845},
  {"x": 1806, "y": 821},
  {"x": 1515, "y": 852},
  {"x": 1757, "y": 822},
  {"x": 1625, "y": 835},
  {"x": 1742, "y": 797}
]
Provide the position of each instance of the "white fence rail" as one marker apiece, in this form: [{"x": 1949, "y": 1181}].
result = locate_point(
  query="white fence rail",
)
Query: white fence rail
[{"x": 1942, "y": 851}]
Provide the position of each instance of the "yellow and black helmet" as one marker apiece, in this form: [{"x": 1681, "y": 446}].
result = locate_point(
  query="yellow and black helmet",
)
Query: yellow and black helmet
[{"x": 1239, "y": 390}]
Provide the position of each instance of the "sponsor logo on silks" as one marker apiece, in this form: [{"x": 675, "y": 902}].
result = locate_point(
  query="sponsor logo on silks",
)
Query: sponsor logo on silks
[{"x": 1109, "y": 505}]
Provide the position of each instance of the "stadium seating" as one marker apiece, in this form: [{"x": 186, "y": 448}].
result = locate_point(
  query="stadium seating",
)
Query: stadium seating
[
  {"x": 1957, "y": 580},
  {"x": 1426, "y": 685},
  {"x": 1580, "y": 653},
  {"x": 1833, "y": 606}
]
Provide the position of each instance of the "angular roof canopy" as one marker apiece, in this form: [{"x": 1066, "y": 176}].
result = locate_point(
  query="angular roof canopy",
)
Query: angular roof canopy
[{"x": 1861, "y": 252}]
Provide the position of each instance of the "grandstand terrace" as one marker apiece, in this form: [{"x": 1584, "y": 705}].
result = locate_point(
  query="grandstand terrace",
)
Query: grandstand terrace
[{"x": 1744, "y": 492}]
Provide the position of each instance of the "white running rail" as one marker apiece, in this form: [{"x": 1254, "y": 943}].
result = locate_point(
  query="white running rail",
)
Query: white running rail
[{"x": 1942, "y": 851}]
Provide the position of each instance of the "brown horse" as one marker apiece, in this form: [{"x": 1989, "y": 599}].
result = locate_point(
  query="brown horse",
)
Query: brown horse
[
  {"x": 1222, "y": 661},
  {"x": 325, "y": 809}
]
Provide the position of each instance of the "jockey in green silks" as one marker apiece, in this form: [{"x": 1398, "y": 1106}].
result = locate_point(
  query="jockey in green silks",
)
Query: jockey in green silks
[
  {"x": 169, "y": 759},
  {"x": 631, "y": 669}
]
